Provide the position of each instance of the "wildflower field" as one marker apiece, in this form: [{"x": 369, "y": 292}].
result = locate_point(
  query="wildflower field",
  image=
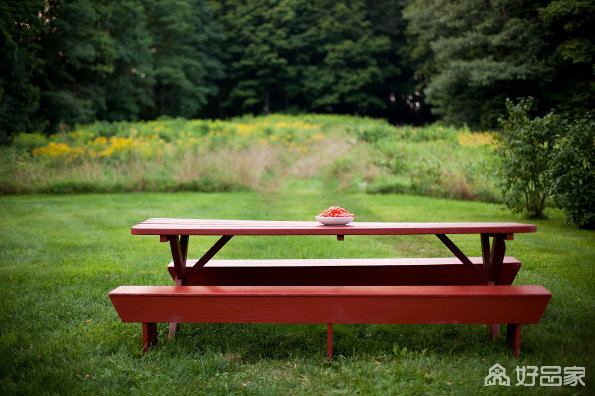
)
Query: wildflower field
[{"x": 355, "y": 154}]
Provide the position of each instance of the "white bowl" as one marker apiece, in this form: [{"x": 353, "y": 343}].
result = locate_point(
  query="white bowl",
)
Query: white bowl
[{"x": 334, "y": 220}]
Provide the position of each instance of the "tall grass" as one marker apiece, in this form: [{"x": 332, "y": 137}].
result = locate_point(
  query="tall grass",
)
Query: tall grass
[{"x": 252, "y": 153}]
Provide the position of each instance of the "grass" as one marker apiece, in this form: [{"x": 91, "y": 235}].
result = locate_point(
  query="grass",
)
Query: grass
[
  {"x": 59, "y": 334},
  {"x": 252, "y": 153}
]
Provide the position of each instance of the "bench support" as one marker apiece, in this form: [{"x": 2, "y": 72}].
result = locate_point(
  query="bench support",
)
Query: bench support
[
  {"x": 149, "y": 305},
  {"x": 329, "y": 341},
  {"x": 513, "y": 337},
  {"x": 149, "y": 335}
]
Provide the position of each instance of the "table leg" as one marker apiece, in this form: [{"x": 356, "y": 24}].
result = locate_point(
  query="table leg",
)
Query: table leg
[
  {"x": 179, "y": 250},
  {"x": 492, "y": 265},
  {"x": 496, "y": 258}
]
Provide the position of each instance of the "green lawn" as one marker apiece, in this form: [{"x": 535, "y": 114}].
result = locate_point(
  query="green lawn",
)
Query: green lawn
[{"x": 59, "y": 334}]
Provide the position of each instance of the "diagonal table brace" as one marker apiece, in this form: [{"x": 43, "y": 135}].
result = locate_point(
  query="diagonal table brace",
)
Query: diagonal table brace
[
  {"x": 460, "y": 255},
  {"x": 209, "y": 254},
  {"x": 213, "y": 251}
]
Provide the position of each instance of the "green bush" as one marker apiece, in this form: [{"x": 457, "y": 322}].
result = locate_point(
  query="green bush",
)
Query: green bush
[
  {"x": 29, "y": 141},
  {"x": 547, "y": 157},
  {"x": 526, "y": 150},
  {"x": 572, "y": 175}
]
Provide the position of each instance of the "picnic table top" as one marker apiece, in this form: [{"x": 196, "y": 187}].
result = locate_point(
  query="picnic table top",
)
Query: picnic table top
[{"x": 173, "y": 226}]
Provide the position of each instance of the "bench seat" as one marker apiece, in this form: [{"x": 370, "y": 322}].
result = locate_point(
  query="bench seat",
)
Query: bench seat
[
  {"x": 149, "y": 305},
  {"x": 326, "y": 272}
]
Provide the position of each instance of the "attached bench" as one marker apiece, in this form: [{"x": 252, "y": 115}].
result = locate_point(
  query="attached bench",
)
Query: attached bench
[
  {"x": 149, "y": 305},
  {"x": 347, "y": 272}
]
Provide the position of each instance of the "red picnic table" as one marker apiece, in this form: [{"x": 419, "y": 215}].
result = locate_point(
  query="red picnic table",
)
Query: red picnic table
[{"x": 457, "y": 289}]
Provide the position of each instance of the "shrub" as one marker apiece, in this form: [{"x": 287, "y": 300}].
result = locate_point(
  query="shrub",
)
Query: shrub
[
  {"x": 526, "y": 147},
  {"x": 572, "y": 175},
  {"x": 29, "y": 141}
]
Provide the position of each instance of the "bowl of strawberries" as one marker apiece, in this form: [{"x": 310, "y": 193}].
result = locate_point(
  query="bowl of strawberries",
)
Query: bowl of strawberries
[{"x": 335, "y": 215}]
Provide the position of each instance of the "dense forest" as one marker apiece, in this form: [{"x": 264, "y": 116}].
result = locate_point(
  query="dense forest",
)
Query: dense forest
[{"x": 410, "y": 61}]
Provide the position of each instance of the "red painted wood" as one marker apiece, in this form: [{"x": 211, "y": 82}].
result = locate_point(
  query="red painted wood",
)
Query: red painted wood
[
  {"x": 496, "y": 258},
  {"x": 329, "y": 341},
  {"x": 173, "y": 327},
  {"x": 177, "y": 253},
  {"x": 149, "y": 335},
  {"x": 364, "y": 272},
  {"x": 461, "y": 256},
  {"x": 485, "y": 252},
  {"x": 168, "y": 226},
  {"x": 513, "y": 336},
  {"x": 213, "y": 250},
  {"x": 337, "y": 304},
  {"x": 331, "y": 304},
  {"x": 494, "y": 327}
]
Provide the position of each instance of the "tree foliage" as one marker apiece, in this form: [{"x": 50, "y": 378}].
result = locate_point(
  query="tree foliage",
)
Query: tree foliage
[
  {"x": 185, "y": 66},
  {"x": 473, "y": 54},
  {"x": 547, "y": 156},
  {"x": 569, "y": 25},
  {"x": 526, "y": 149},
  {"x": 69, "y": 61},
  {"x": 19, "y": 95},
  {"x": 573, "y": 175},
  {"x": 312, "y": 55}
]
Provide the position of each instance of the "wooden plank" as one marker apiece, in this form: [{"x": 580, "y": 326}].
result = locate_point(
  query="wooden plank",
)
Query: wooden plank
[
  {"x": 157, "y": 226},
  {"x": 338, "y": 304},
  {"x": 364, "y": 272}
]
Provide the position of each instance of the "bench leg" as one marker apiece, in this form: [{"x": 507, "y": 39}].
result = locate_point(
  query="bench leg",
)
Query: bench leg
[
  {"x": 149, "y": 335},
  {"x": 513, "y": 336},
  {"x": 329, "y": 341},
  {"x": 173, "y": 327},
  {"x": 494, "y": 327},
  {"x": 172, "y": 330}
]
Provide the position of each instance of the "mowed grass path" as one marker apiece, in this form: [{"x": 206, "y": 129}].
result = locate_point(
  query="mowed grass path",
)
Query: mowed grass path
[{"x": 59, "y": 334}]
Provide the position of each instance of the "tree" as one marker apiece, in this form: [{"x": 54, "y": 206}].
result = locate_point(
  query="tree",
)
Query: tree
[
  {"x": 572, "y": 174},
  {"x": 76, "y": 49},
  {"x": 472, "y": 54},
  {"x": 185, "y": 64},
  {"x": 526, "y": 148},
  {"x": 19, "y": 95},
  {"x": 349, "y": 52},
  {"x": 314, "y": 55},
  {"x": 129, "y": 88},
  {"x": 256, "y": 36},
  {"x": 569, "y": 26},
  {"x": 404, "y": 103}
]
